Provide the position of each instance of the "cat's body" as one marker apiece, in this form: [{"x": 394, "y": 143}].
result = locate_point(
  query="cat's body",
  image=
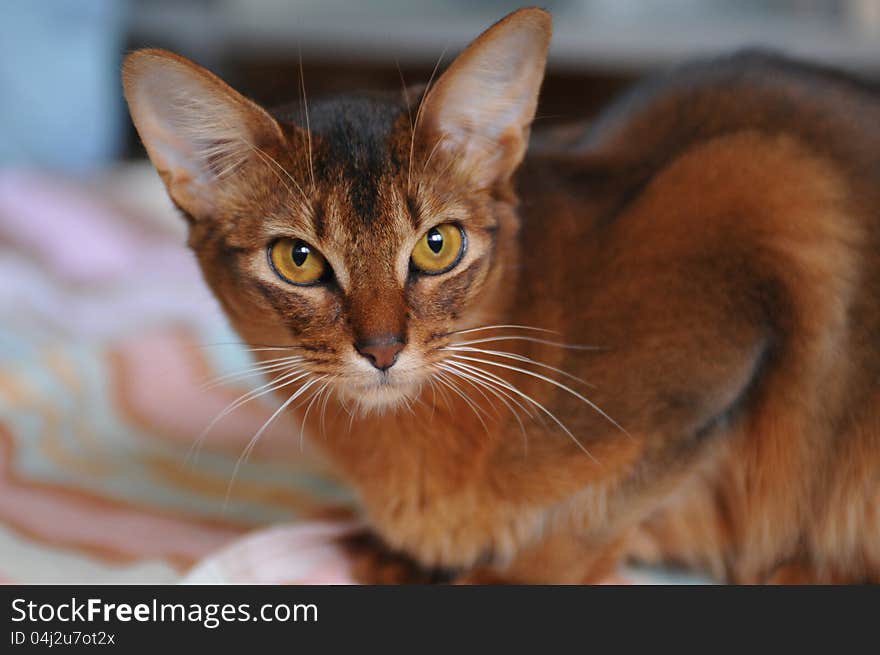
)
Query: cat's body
[
  {"x": 714, "y": 238},
  {"x": 728, "y": 219}
]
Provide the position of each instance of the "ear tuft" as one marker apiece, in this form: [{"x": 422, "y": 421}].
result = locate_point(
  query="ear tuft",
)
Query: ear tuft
[
  {"x": 196, "y": 129},
  {"x": 483, "y": 105}
]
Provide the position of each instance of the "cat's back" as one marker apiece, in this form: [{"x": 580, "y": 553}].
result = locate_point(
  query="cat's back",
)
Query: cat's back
[
  {"x": 835, "y": 112},
  {"x": 720, "y": 160}
]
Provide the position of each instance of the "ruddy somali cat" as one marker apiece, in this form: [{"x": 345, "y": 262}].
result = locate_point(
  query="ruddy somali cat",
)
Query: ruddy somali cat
[{"x": 661, "y": 341}]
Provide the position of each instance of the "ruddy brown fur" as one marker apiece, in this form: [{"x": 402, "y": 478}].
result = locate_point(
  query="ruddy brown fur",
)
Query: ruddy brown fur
[{"x": 715, "y": 236}]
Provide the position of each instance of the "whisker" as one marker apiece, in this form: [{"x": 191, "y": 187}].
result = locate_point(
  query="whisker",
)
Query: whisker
[
  {"x": 417, "y": 399},
  {"x": 488, "y": 400},
  {"x": 274, "y": 385},
  {"x": 408, "y": 405},
  {"x": 305, "y": 418},
  {"x": 412, "y": 144},
  {"x": 262, "y": 154},
  {"x": 499, "y": 381},
  {"x": 246, "y": 347},
  {"x": 500, "y": 327},
  {"x": 259, "y": 391},
  {"x": 431, "y": 154},
  {"x": 412, "y": 126},
  {"x": 477, "y": 371},
  {"x": 496, "y": 392},
  {"x": 567, "y": 346},
  {"x": 351, "y": 419},
  {"x": 551, "y": 381},
  {"x": 441, "y": 378},
  {"x": 440, "y": 173},
  {"x": 253, "y": 442},
  {"x": 518, "y": 358},
  {"x": 433, "y": 398},
  {"x": 445, "y": 397},
  {"x": 344, "y": 405},
  {"x": 524, "y": 408},
  {"x": 324, "y": 405},
  {"x": 261, "y": 369},
  {"x": 302, "y": 82}
]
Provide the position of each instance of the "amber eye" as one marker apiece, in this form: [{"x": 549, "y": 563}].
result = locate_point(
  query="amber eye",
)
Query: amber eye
[
  {"x": 297, "y": 262},
  {"x": 439, "y": 249}
]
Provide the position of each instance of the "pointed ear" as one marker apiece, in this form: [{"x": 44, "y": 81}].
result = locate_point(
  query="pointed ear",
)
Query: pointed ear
[
  {"x": 196, "y": 129},
  {"x": 483, "y": 105}
]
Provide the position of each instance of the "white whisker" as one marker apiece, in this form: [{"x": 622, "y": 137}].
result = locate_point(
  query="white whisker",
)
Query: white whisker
[
  {"x": 408, "y": 405},
  {"x": 504, "y": 327},
  {"x": 302, "y": 81},
  {"x": 324, "y": 406},
  {"x": 445, "y": 397},
  {"x": 351, "y": 419},
  {"x": 305, "y": 418},
  {"x": 477, "y": 371},
  {"x": 524, "y": 408},
  {"x": 267, "y": 159},
  {"x": 519, "y": 358},
  {"x": 253, "y": 442},
  {"x": 499, "y": 382},
  {"x": 344, "y": 406},
  {"x": 412, "y": 143},
  {"x": 549, "y": 380},
  {"x": 433, "y": 398},
  {"x": 274, "y": 385},
  {"x": 478, "y": 390},
  {"x": 567, "y": 346},
  {"x": 500, "y": 394},
  {"x": 260, "y": 369},
  {"x": 244, "y": 346},
  {"x": 441, "y": 377},
  {"x": 430, "y": 156}
]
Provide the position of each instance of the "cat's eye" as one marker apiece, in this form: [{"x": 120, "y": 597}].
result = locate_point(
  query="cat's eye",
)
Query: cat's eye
[
  {"x": 439, "y": 249},
  {"x": 297, "y": 262}
]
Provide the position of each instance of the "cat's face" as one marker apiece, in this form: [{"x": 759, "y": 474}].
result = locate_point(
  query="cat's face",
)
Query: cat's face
[
  {"x": 362, "y": 237},
  {"x": 365, "y": 274}
]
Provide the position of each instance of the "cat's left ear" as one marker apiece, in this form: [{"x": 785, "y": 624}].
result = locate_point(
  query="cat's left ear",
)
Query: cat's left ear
[{"x": 482, "y": 107}]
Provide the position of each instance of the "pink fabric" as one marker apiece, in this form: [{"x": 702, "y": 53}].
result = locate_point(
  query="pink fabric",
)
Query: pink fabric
[{"x": 108, "y": 335}]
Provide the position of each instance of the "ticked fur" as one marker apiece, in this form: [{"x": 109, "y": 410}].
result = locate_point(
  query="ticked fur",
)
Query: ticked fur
[{"x": 706, "y": 257}]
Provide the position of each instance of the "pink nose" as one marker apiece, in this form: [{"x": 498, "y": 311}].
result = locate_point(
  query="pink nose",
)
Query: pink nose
[{"x": 381, "y": 352}]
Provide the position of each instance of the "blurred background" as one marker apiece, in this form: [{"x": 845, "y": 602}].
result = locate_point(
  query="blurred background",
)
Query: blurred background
[
  {"x": 108, "y": 335},
  {"x": 60, "y": 58}
]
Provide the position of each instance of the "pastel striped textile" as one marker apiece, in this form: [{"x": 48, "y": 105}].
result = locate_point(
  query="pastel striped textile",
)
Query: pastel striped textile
[{"x": 107, "y": 337}]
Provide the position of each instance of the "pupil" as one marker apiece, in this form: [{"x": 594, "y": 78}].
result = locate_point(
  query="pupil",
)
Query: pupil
[
  {"x": 435, "y": 240},
  {"x": 300, "y": 253}
]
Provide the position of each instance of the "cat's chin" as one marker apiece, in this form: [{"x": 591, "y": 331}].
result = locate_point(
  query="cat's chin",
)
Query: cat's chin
[{"x": 380, "y": 397}]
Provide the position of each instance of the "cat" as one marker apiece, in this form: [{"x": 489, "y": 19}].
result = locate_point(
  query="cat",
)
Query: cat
[{"x": 657, "y": 341}]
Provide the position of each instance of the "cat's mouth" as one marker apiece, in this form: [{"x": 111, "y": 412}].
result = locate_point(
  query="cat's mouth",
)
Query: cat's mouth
[
  {"x": 371, "y": 389},
  {"x": 383, "y": 392}
]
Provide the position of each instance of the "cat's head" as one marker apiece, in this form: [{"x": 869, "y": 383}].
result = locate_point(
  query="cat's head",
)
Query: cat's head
[{"x": 366, "y": 231}]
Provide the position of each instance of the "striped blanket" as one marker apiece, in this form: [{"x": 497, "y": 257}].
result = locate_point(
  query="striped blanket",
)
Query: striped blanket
[{"x": 107, "y": 338}]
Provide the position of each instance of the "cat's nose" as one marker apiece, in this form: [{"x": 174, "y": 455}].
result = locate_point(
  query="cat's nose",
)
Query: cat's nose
[{"x": 381, "y": 352}]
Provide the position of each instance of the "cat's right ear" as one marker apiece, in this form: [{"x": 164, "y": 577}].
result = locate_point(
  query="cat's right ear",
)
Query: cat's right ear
[{"x": 197, "y": 130}]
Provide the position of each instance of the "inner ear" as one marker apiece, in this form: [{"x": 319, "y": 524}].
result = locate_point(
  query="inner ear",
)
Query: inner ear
[
  {"x": 481, "y": 108},
  {"x": 196, "y": 129}
]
